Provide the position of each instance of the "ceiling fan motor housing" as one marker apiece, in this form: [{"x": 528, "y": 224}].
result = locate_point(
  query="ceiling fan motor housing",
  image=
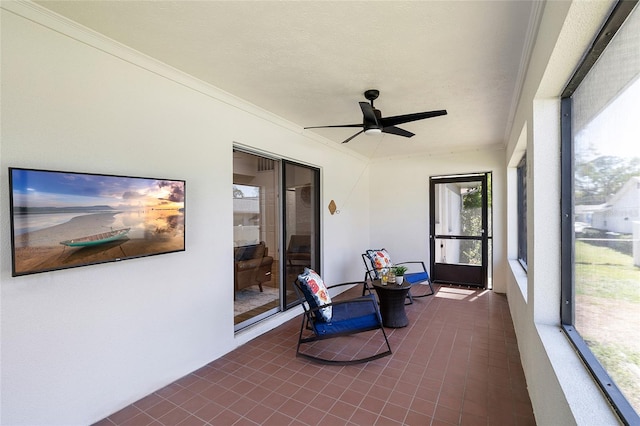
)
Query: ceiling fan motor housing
[{"x": 373, "y": 127}]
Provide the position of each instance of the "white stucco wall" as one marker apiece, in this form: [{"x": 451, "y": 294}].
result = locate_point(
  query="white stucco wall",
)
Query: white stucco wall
[
  {"x": 562, "y": 391},
  {"x": 79, "y": 344}
]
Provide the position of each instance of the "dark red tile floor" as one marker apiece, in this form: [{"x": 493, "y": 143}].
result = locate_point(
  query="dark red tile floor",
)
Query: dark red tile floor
[{"x": 457, "y": 363}]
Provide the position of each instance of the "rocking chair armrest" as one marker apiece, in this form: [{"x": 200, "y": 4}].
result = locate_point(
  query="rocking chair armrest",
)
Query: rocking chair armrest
[
  {"x": 362, "y": 299},
  {"x": 307, "y": 304},
  {"x": 413, "y": 262},
  {"x": 347, "y": 283},
  {"x": 365, "y": 286}
]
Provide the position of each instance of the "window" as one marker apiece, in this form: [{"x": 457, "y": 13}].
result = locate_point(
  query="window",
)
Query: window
[
  {"x": 522, "y": 211},
  {"x": 601, "y": 225}
]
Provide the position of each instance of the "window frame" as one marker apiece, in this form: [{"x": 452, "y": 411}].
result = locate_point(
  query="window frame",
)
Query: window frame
[
  {"x": 622, "y": 407},
  {"x": 521, "y": 189}
]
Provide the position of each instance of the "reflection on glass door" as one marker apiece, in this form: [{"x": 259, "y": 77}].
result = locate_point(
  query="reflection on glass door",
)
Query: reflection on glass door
[
  {"x": 459, "y": 229},
  {"x": 255, "y": 238},
  {"x": 301, "y": 224}
]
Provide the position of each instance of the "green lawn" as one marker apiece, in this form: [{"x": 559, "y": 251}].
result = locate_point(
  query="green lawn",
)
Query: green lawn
[
  {"x": 608, "y": 281},
  {"x": 606, "y": 273}
]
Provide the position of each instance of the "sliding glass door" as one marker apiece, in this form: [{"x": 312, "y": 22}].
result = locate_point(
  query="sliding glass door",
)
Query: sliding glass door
[{"x": 275, "y": 233}]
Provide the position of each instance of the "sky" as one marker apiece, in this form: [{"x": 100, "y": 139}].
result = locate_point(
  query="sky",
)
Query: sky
[
  {"x": 37, "y": 188},
  {"x": 616, "y": 130},
  {"x": 249, "y": 191}
]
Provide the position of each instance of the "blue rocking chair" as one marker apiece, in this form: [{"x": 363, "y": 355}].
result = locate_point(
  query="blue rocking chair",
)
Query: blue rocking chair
[
  {"x": 323, "y": 319},
  {"x": 375, "y": 260}
]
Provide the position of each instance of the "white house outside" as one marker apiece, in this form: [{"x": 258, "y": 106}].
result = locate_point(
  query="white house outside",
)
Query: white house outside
[{"x": 619, "y": 213}]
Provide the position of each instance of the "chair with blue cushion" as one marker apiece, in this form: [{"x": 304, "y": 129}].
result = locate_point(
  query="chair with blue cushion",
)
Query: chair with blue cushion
[
  {"x": 377, "y": 259},
  {"x": 325, "y": 319}
]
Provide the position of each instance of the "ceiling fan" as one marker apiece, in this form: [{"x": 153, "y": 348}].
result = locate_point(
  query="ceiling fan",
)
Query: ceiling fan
[{"x": 373, "y": 122}]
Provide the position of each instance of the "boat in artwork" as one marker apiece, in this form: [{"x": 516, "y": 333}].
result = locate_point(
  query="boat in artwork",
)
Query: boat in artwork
[{"x": 97, "y": 239}]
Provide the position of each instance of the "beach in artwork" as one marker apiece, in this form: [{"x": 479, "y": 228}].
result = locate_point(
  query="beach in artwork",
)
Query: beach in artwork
[
  {"x": 41, "y": 250},
  {"x": 55, "y": 228}
]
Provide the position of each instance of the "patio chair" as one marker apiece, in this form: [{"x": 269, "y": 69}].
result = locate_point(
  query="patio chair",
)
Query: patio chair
[
  {"x": 299, "y": 250},
  {"x": 377, "y": 259},
  {"x": 323, "y": 319}
]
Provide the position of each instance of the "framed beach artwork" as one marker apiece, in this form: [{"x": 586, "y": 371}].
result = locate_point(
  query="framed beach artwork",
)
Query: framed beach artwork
[{"x": 64, "y": 220}]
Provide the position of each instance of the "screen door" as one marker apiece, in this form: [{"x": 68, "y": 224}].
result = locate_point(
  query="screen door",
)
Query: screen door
[{"x": 459, "y": 229}]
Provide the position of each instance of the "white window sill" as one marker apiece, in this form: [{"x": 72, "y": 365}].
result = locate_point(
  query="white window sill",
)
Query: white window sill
[{"x": 520, "y": 275}]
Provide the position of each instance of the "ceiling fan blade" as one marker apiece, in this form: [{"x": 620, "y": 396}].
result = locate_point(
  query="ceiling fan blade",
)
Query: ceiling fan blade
[
  {"x": 347, "y": 140},
  {"x": 368, "y": 113},
  {"x": 339, "y": 125},
  {"x": 397, "y": 131},
  {"x": 400, "y": 119}
]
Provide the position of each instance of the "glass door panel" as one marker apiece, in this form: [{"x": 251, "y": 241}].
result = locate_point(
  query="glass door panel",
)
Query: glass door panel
[
  {"x": 276, "y": 233},
  {"x": 255, "y": 238},
  {"x": 301, "y": 224}
]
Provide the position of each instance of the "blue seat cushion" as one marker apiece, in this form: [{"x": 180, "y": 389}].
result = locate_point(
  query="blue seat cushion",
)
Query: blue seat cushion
[
  {"x": 416, "y": 277},
  {"x": 350, "y": 317}
]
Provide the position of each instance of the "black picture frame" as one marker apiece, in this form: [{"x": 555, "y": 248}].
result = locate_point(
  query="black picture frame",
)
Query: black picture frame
[{"x": 65, "y": 219}]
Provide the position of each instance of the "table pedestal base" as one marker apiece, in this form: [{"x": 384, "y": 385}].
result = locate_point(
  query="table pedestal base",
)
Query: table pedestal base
[{"x": 392, "y": 298}]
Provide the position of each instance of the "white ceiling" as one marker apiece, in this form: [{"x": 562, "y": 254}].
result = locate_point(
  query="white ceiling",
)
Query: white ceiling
[{"x": 309, "y": 62}]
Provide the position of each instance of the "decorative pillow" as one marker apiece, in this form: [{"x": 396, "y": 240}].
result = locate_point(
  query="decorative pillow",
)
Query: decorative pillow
[
  {"x": 379, "y": 259},
  {"x": 316, "y": 291},
  {"x": 258, "y": 253},
  {"x": 244, "y": 253}
]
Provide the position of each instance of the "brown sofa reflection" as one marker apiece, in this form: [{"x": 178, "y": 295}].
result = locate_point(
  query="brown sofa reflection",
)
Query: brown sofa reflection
[{"x": 252, "y": 266}]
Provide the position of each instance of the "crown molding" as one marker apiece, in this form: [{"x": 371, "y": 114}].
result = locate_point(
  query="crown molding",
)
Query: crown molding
[{"x": 532, "y": 33}]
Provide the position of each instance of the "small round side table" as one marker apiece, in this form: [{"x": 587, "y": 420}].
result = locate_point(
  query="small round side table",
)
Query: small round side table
[{"x": 391, "y": 298}]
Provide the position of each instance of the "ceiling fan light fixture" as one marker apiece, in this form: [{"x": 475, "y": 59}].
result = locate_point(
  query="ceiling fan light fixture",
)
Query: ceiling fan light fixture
[{"x": 373, "y": 123}]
